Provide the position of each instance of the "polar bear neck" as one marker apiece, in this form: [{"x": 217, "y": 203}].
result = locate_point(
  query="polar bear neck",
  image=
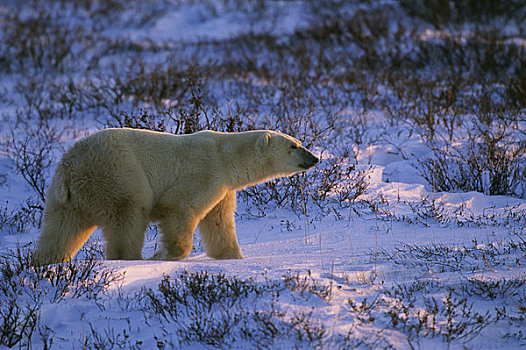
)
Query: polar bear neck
[
  {"x": 246, "y": 166},
  {"x": 256, "y": 172}
]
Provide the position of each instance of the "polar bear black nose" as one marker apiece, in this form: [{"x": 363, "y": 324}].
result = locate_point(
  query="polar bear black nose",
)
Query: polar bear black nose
[
  {"x": 309, "y": 160},
  {"x": 313, "y": 159}
]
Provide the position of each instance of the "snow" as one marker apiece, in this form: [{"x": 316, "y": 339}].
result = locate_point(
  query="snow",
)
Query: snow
[{"x": 359, "y": 252}]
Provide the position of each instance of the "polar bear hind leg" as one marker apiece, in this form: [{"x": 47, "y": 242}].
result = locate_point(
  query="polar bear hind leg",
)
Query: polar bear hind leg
[
  {"x": 125, "y": 234},
  {"x": 63, "y": 234},
  {"x": 218, "y": 230}
]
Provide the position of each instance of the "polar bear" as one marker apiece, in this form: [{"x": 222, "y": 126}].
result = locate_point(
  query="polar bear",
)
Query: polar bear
[{"x": 123, "y": 179}]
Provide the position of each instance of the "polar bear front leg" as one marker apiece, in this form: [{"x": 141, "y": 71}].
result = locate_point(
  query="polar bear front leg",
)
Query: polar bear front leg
[
  {"x": 218, "y": 230},
  {"x": 177, "y": 237}
]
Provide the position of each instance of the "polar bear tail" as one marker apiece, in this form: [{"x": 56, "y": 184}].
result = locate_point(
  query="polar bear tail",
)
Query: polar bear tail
[{"x": 61, "y": 188}]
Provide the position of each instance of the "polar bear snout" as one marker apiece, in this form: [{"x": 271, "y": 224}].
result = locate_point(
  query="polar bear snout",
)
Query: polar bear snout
[{"x": 309, "y": 160}]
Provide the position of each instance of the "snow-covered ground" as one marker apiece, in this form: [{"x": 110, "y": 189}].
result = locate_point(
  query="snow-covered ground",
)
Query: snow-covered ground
[{"x": 404, "y": 265}]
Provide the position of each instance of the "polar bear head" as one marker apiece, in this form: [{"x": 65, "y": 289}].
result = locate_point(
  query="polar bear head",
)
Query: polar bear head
[{"x": 283, "y": 154}]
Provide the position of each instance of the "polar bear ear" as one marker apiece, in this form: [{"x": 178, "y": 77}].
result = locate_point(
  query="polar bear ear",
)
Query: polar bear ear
[{"x": 263, "y": 141}]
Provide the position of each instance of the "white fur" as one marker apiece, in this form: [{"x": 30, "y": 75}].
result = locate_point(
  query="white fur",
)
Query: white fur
[{"x": 123, "y": 179}]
